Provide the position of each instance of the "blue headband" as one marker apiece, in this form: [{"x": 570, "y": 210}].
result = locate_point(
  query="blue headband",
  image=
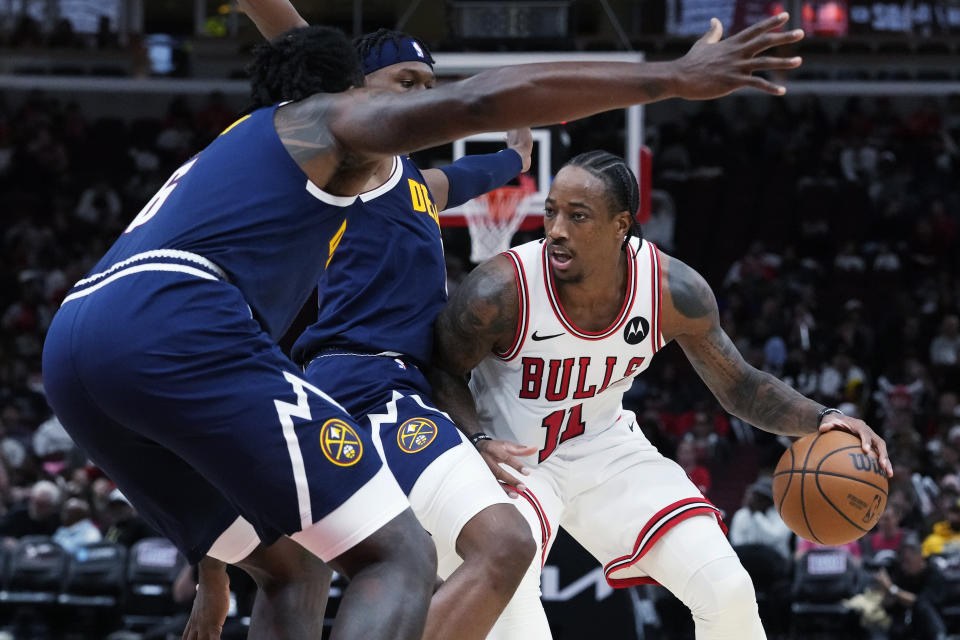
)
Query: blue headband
[{"x": 409, "y": 50}]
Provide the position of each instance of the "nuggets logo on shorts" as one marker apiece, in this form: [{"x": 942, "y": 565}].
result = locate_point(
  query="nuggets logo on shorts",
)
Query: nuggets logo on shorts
[
  {"x": 340, "y": 443},
  {"x": 416, "y": 434}
]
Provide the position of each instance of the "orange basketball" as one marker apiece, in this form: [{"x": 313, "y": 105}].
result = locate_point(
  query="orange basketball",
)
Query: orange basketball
[{"x": 827, "y": 489}]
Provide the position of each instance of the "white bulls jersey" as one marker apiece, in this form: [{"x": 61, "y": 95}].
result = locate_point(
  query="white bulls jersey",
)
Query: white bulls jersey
[{"x": 557, "y": 382}]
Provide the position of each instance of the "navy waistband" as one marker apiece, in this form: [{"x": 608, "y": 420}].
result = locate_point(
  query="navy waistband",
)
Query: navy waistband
[{"x": 167, "y": 260}]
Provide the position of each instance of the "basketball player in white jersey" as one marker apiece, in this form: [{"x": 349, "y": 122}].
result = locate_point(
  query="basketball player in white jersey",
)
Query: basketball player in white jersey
[{"x": 554, "y": 333}]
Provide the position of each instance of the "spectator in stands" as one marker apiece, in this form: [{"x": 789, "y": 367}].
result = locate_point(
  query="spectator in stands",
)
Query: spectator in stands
[
  {"x": 121, "y": 522},
  {"x": 52, "y": 445},
  {"x": 945, "y": 346},
  {"x": 39, "y": 515},
  {"x": 99, "y": 205},
  {"x": 888, "y": 534},
  {"x": 757, "y": 521},
  {"x": 914, "y": 591},
  {"x": 78, "y": 529},
  {"x": 837, "y": 376},
  {"x": 659, "y": 228},
  {"x": 710, "y": 447},
  {"x": 687, "y": 459},
  {"x": 945, "y": 537}
]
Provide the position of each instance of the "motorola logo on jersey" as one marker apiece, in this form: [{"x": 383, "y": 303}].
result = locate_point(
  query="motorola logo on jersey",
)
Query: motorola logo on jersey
[
  {"x": 340, "y": 443},
  {"x": 416, "y": 434},
  {"x": 636, "y": 330}
]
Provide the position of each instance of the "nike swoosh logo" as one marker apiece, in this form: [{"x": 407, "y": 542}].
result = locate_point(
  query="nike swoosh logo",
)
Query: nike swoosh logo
[{"x": 535, "y": 337}]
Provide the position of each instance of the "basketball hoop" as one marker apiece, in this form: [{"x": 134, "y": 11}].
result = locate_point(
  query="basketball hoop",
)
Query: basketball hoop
[{"x": 494, "y": 217}]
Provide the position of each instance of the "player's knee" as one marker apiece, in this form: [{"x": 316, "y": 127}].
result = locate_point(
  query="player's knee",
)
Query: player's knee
[
  {"x": 404, "y": 544},
  {"x": 722, "y": 593},
  {"x": 517, "y": 546},
  {"x": 420, "y": 556},
  {"x": 499, "y": 538},
  {"x": 400, "y": 550}
]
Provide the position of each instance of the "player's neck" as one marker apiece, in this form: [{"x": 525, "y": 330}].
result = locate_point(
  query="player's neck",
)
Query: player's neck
[
  {"x": 380, "y": 175},
  {"x": 594, "y": 302}
]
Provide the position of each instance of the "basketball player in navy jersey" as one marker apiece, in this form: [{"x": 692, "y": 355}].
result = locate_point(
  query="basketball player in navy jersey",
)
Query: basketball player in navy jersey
[
  {"x": 554, "y": 333},
  {"x": 374, "y": 336},
  {"x": 377, "y": 302},
  {"x": 162, "y": 363}
]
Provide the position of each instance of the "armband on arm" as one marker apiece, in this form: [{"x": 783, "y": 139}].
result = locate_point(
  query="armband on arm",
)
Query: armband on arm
[{"x": 471, "y": 176}]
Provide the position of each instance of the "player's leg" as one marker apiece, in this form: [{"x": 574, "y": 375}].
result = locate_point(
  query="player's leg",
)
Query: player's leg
[
  {"x": 393, "y": 570},
  {"x": 458, "y": 500},
  {"x": 293, "y": 584},
  {"x": 218, "y": 394},
  {"x": 696, "y": 563},
  {"x": 451, "y": 490},
  {"x": 292, "y": 589},
  {"x": 524, "y": 617},
  {"x": 639, "y": 515}
]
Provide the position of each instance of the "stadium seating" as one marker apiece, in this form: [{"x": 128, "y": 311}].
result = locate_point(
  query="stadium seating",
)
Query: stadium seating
[
  {"x": 152, "y": 567},
  {"x": 822, "y": 578}
]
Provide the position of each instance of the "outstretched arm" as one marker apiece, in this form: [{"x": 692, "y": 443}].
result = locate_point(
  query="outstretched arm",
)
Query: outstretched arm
[
  {"x": 365, "y": 125},
  {"x": 480, "y": 317},
  {"x": 690, "y": 316},
  {"x": 475, "y": 175},
  {"x": 272, "y": 17},
  {"x": 539, "y": 94}
]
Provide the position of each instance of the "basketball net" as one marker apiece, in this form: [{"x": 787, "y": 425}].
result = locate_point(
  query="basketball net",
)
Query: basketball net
[{"x": 494, "y": 217}]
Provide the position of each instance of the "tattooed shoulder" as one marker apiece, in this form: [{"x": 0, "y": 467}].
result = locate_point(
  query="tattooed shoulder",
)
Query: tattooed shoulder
[
  {"x": 482, "y": 312},
  {"x": 303, "y": 128},
  {"x": 691, "y": 295}
]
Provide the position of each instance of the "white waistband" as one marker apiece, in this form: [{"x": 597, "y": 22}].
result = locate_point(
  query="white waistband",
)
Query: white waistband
[
  {"x": 177, "y": 262},
  {"x": 153, "y": 255}
]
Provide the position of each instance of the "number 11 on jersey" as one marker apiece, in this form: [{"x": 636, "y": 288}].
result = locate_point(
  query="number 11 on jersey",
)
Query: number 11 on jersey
[{"x": 553, "y": 423}]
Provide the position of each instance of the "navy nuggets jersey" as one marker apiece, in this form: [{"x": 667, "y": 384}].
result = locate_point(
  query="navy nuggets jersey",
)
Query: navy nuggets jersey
[
  {"x": 386, "y": 281},
  {"x": 244, "y": 204}
]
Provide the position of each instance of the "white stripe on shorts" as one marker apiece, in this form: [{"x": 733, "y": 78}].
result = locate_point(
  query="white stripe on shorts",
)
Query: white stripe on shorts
[{"x": 150, "y": 266}]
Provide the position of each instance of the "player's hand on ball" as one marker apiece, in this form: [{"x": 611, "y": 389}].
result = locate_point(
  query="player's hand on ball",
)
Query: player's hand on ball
[
  {"x": 871, "y": 442},
  {"x": 497, "y": 452},
  {"x": 714, "y": 67},
  {"x": 521, "y": 141}
]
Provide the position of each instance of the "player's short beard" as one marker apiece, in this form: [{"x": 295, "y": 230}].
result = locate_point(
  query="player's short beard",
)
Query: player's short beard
[{"x": 568, "y": 278}]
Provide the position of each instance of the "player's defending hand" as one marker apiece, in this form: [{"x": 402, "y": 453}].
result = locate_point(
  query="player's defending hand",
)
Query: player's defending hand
[
  {"x": 497, "y": 452},
  {"x": 714, "y": 67},
  {"x": 521, "y": 141},
  {"x": 869, "y": 440},
  {"x": 212, "y": 603}
]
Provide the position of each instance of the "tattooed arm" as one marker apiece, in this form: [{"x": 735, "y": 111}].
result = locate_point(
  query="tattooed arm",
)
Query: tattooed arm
[
  {"x": 368, "y": 125},
  {"x": 690, "y": 316},
  {"x": 480, "y": 317}
]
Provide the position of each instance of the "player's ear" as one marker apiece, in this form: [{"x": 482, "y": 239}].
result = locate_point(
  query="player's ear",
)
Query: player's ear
[{"x": 624, "y": 220}]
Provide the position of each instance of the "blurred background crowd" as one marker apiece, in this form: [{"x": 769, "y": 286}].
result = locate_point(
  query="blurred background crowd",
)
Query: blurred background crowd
[{"x": 828, "y": 228}]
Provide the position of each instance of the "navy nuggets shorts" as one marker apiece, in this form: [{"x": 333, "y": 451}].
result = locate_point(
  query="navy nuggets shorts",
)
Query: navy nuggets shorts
[
  {"x": 158, "y": 371},
  {"x": 393, "y": 398}
]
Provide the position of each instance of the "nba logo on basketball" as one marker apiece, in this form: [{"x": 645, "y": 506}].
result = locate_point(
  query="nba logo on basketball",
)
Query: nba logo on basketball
[{"x": 872, "y": 510}]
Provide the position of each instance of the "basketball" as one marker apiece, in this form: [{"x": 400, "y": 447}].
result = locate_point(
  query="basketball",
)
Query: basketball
[{"x": 827, "y": 489}]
